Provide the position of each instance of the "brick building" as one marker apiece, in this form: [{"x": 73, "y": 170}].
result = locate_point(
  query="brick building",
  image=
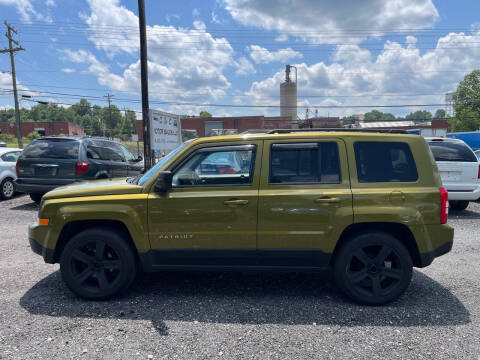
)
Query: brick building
[
  {"x": 204, "y": 125},
  {"x": 43, "y": 128}
]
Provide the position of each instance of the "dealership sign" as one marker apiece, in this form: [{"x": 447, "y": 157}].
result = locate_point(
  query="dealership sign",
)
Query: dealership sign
[{"x": 165, "y": 131}]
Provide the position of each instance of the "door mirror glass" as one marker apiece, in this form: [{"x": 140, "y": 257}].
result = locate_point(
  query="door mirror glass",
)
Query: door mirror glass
[{"x": 164, "y": 182}]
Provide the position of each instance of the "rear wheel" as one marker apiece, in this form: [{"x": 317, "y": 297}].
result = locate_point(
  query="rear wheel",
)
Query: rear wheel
[
  {"x": 373, "y": 268},
  {"x": 36, "y": 197},
  {"x": 7, "y": 189},
  {"x": 98, "y": 263},
  {"x": 458, "y": 205}
]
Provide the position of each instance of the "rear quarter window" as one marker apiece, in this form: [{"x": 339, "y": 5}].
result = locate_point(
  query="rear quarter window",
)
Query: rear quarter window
[
  {"x": 51, "y": 149},
  {"x": 379, "y": 161},
  {"x": 451, "y": 151}
]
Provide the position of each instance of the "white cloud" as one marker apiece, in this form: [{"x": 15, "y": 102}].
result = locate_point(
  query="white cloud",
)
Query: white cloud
[
  {"x": 214, "y": 18},
  {"x": 177, "y": 69},
  {"x": 330, "y": 21},
  {"x": 396, "y": 70},
  {"x": 68, "y": 70},
  {"x": 260, "y": 55},
  {"x": 169, "y": 17},
  {"x": 244, "y": 67},
  {"x": 26, "y": 9}
]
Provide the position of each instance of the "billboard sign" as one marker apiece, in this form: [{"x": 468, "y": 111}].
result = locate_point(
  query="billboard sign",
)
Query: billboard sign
[{"x": 165, "y": 131}]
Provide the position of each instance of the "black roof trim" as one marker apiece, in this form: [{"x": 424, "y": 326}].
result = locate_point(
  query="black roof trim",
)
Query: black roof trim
[{"x": 383, "y": 131}]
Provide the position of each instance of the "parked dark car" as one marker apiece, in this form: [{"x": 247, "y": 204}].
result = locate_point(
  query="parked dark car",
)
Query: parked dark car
[{"x": 49, "y": 162}]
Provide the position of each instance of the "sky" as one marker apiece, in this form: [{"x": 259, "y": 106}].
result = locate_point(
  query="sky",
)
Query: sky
[{"x": 228, "y": 56}]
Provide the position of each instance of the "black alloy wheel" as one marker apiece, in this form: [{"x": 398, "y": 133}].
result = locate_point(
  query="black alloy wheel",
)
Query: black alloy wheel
[
  {"x": 373, "y": 268},
  {"x": 98, "y": 263}
]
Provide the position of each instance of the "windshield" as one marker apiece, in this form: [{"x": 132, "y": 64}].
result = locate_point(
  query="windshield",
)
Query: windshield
[{"x": 161, "y": 163}]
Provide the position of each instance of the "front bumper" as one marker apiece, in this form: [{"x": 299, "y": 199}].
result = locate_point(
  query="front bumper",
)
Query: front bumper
[{"x": 35, "y": 235}]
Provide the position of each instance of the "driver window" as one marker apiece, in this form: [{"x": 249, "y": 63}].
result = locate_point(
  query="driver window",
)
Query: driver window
[{"x": 217, "y": 167}]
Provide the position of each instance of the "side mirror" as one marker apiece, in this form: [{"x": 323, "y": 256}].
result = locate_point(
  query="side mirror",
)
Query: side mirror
[
  {"x": 139, "y": 158},
  {"x": 164, "y": 182}
]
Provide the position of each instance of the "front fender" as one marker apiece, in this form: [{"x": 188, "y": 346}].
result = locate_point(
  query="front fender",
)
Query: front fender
[{"x": 129, "y": 209}]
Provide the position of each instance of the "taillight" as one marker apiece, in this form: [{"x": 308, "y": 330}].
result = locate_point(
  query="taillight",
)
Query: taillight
[
  {"x": 81, "y": 167},
  {"x": 16, "y": 168},
  {"x": 227, "y": 170},
  {"x": 443, "y": 206}
]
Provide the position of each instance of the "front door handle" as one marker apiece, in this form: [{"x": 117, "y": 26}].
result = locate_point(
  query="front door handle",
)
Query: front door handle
[
  {"x": 235, "y": 202},
  {"x": 327, "y": 200}
]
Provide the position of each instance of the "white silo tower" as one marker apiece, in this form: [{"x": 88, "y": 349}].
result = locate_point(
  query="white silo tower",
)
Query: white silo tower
[{"x": 288, "y": 95}]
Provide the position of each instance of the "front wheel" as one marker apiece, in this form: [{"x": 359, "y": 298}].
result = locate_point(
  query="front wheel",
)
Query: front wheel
[
  {"x": 7, "y": 189},
  {"x": 98, "y": 263},
  {"x": 373, "y": 268},
  {"x": 458, "y": 205}
]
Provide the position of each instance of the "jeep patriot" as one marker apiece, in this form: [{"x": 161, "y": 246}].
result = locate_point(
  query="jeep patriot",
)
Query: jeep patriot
[{"x": 368, "y": 206}]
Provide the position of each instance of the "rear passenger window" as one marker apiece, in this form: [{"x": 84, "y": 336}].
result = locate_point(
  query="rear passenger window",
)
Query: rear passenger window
[
  {"x": 104, "y": 150},
  {"x": 304, "y": 163},
  {"x": 385, "y": 162}
]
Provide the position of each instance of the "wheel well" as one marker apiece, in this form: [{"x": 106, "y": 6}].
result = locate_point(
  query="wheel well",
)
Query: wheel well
[
  {"x": 74, "y": 227},
  {"x": 399, "y": 231},
  {"x": 102, "y": 176}
]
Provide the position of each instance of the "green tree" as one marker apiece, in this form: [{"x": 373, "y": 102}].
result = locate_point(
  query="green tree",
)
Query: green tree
[
  {"x": 205, "y": 114},
  {"x": 440, "y": 114},
  {"x": 376, "y": 115},
  {"x": 467, "y": 103},
  {"x": 33, "y": 135},
  {"x": 419, "y": 116}
]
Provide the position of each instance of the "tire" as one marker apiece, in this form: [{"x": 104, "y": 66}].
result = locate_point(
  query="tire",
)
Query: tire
[
  {"x": 98, "y": 277},
  {"x": 36, "y": 197},
  {"x": 458, "y": 205},
  {"x": 7, "y": 189},
  {"x": 373, "y": 268}
]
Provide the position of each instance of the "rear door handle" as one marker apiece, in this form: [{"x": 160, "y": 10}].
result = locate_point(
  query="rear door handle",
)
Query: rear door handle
[
  {"x": 326, "y": 200},
  {"x": 235, "y": 202}
]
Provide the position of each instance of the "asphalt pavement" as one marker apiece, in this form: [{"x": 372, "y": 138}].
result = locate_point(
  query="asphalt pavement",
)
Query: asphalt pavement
[{"x": 226, "y": 315}]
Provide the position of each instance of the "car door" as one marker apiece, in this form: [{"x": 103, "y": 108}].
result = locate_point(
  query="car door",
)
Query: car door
[
  {"x": 208, "y": 218},
  {"x": 305, "y": 201}
]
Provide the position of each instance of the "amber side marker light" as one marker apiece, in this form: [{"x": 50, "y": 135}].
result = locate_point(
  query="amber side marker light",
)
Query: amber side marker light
[{"x": 43, "y": 222}]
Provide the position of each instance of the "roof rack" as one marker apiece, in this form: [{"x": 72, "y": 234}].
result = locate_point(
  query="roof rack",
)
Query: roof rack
[{"x": 384, "y": 131}]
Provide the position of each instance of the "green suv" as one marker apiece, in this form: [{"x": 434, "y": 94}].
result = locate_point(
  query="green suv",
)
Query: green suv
[{"x": 368, "y": 206}]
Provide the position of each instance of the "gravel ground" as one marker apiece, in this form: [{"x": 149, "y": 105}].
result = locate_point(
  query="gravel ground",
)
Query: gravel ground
[{"x": 236, "y": 315}]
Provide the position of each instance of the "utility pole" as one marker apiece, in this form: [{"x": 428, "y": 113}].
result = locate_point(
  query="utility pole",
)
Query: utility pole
[
  {"x": 147, "y": 148},
  {"x": 12, "y": 51},
  {"x": 108, "y": 96}
]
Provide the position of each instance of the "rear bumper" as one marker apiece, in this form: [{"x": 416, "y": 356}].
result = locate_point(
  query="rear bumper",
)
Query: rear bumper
[
  {"x": 441, "y": 242},
  {"x": 23, "y": 185},
  {"x": 463, "y": 195}
]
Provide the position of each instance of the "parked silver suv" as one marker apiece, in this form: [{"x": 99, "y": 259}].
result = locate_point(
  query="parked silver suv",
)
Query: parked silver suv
[{"x": 459, "y": 168}]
